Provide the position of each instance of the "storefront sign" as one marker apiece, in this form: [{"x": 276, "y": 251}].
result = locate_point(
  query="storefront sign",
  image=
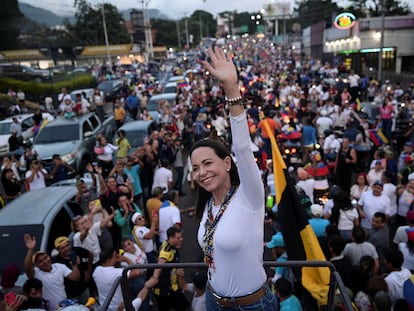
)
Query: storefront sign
[{"x": 344, "y": 20}]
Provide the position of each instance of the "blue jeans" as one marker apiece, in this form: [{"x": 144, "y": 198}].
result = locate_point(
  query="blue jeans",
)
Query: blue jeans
[{"x": 267, "y": 303}]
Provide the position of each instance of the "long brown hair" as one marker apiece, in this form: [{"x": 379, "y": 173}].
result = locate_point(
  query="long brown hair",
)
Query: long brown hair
[{"x": 222, "y": 152}]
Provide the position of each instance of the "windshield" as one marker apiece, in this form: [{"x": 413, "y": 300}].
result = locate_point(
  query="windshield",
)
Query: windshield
[
  {"x": 136, "y": 138},
  {"x": 5, "y": 128},
  {"x": 54, "y": 134}
]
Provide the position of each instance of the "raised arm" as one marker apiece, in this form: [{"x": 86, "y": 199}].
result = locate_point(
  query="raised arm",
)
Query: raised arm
[{"x": 30, "y": 242}]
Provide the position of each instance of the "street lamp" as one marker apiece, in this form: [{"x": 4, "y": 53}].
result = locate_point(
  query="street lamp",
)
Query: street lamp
[{"x": 147, "y": 29}]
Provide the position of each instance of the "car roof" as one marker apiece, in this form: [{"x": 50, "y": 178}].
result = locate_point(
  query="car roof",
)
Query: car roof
[
  {"x": 136, "y": 125},
  {"x": 33, "y": 207},
  {"x": 176, "y": 78},
  {"x": 21, "y": 117},
  {"x": 163, "y": 96},
  {"x": 61, "y": 121}
]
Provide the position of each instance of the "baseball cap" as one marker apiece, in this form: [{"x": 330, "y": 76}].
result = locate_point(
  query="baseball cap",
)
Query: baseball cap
[
  {"x": 411, "y": 176},
  {"x": 378, "y": 183},
  {"x": 409, "y": 144},
  {"x": 60, "y": 241},
  {"x": 316, "y": 210},
  {"x": 35, "y": 255},
  {"x": 157, "y": 191},
  {"x": 378, "y": 162},
  {"x": 276, "y": 241}
]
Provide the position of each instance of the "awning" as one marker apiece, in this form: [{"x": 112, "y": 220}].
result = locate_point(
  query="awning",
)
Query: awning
[
  {"x": 101, "y": 50},
  {"x": 22, "y": 54}
]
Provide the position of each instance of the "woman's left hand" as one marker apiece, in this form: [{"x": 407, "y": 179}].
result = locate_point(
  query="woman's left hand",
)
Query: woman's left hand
[{"x": 221, "y": 67}]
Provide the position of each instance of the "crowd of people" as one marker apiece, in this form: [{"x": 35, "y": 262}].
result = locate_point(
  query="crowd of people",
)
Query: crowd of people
[{"x": 359, "y": 196}]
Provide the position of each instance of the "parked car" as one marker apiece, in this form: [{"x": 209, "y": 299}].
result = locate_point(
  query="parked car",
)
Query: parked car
[
  {"x": 111, "y": 89},
  {"x": 21, "y": 72},
  {"x": 26, "y": 122},
  {"x": 44, "y": 213},
  {"x": 170, "y": 87},
  {"x": 88, "y": 92},
  {"x": 73, "y": 139},
  {"x": 138, "y": 131},
  {"x": 153, "y": 104}
]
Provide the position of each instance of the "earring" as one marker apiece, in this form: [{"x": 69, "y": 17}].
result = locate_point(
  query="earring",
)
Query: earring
[{"x": 228, "y": 170}]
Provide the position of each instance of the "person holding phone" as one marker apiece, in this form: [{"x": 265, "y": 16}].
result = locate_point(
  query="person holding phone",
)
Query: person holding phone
[
  {"x": 68, "y": 255},
  {"x": 39, "y": 265}
]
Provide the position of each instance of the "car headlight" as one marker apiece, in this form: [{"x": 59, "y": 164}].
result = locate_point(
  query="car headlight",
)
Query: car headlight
[{"x": 68, "y": 157}]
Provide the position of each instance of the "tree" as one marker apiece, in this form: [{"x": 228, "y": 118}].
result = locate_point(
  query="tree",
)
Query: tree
[
  {"x": 373, "y": 7},
  {"x": 310, "y": 12},
  {"x": 88, "y": 28},
  {"x": 10, "y": 16}
]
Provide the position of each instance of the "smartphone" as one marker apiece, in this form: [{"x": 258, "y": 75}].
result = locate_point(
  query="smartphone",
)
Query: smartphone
[
  {"x": 10, "y": 297},
  {"x": 73, "y": 258}
]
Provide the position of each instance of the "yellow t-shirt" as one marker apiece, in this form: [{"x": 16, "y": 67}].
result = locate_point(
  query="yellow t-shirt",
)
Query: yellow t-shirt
[{"x": 123, "y": 147}]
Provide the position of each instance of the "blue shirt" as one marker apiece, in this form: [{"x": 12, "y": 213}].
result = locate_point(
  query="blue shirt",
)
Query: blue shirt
[
  {"x": 319, "y": 225},
  {"x": 308, "y": 135},
  {"x": 290, "y": 304},
  {"x": 132, "y": 101},
  {"x": 134, "y": 172}
]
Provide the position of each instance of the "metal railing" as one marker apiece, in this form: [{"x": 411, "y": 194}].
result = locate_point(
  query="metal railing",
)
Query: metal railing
[{"x": 335, "y": 280}]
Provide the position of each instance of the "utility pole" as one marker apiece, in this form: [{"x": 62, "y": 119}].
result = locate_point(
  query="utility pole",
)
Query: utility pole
[
  {"x": 178, "y": 34},
  {"x": 379, "y": 78},
  {"x": 108, "y": 52},
  {"x": 201, "y": 27},
  {"x": 186, "y": 31},
  {"x": 147, "y": 29}
]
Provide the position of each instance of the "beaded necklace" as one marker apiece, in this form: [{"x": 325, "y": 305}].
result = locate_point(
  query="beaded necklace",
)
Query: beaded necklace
[{"x": 211, "y": 226}]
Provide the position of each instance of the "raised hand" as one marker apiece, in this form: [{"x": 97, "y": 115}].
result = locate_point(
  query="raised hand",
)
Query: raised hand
[
  {"x": 221, "y": 66},
  {"x": 29, "y": 241}
]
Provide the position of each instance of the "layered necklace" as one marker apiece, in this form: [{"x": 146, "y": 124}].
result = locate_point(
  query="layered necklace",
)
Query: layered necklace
[{"x": 211, "y": 226}]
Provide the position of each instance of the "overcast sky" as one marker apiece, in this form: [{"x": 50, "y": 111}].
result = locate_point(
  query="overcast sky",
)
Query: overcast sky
[{"x": 174, "y": 9}]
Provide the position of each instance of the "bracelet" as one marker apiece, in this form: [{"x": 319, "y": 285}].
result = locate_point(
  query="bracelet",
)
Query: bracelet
[{"x": 233, "y": 100}]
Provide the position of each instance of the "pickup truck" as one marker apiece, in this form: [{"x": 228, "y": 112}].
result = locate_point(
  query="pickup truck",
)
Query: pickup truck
[{"x": 73, "y": 139}]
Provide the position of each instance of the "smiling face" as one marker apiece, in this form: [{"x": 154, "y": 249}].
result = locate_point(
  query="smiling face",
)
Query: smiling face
[{"x": 210, "y": 171}]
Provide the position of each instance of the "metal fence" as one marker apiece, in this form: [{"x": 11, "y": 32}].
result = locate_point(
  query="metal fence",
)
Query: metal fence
[{"x": 334, "y": 284}]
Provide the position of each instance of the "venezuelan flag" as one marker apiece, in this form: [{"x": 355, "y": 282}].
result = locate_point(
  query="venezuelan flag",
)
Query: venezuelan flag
[
  {"x": 300, "y": 239},
  {"x": 182, "y": 83}
]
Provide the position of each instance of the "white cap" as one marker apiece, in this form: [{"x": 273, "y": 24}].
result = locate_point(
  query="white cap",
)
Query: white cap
[
  {"x": 316, "y": 210},
  {"x": 411, "y": 176}
]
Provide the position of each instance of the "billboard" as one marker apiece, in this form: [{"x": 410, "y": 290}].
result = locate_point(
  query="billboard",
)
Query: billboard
[{"x": 276, "y": 9}]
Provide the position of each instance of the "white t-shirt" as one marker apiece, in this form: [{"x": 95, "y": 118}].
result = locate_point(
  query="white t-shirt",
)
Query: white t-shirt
[
  {"x": 138, "y": 257},
  {"x": 38, "y": 181},
  {"x": 401, "y": 235},
  {"x": 372, "y": 204},
  {"x": 147, "y": 244},
  {"x": 91, "y": 242},
  {"x": 53, "y": 283},
  {"x": 408, "y": 257},
  {"x": 162, "y": 177},
  {"x": 323, "y": 123},
  {"x": 168, "y": 216},
  {"x": 307, "y": 185},
  {"x": 104, "y": 278},
  {"x": 390, "y": 191},
  {"x": 346, "y": 219}
]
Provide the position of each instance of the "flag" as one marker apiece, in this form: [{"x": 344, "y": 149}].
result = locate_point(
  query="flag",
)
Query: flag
[
  {"x": 182, "y": 84},
  {"x": 358, "y": 106},
  {"x": 300, "y": 240},
  {"x": 378, "y": 137}
]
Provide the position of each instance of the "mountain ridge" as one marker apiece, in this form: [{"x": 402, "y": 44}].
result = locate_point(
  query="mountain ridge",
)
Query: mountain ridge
[{"x": 46, "y": 17}]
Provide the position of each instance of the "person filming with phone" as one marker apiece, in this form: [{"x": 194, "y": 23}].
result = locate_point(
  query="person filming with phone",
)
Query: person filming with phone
[{"x": 75, "y": 290}]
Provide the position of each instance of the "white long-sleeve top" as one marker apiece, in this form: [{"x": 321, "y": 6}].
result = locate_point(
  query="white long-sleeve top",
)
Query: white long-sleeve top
[{"x": 238, "y": 240}]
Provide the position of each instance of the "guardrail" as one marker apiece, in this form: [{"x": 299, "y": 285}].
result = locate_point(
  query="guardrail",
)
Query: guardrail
[{"x": 335, "y": 280}]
